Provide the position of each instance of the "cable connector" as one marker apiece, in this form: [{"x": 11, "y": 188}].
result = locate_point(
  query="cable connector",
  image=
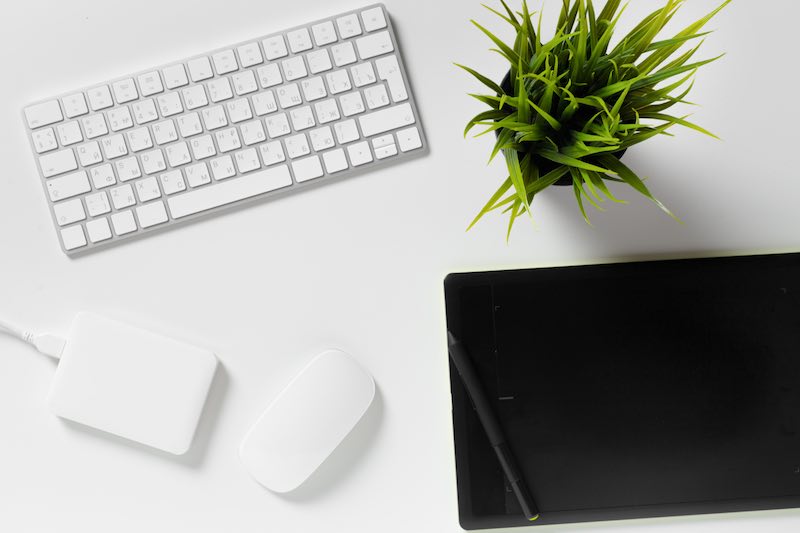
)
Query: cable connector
[{"x": 47, "y": 343}]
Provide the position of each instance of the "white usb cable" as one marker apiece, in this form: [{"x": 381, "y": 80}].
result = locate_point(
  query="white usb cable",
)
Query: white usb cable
[{"x": 48, "y": 344}]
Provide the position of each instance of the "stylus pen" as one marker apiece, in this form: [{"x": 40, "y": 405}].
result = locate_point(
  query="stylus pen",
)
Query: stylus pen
[{"x": 463, "y": 363}]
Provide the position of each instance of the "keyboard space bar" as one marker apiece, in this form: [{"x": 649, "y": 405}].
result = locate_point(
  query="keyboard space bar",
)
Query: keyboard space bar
[{"x": 228, "y": 192}]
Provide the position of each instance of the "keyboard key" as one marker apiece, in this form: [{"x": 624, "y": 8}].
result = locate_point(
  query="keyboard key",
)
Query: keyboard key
[
  {"x": 74, "y": 105},
  {"x": 44, "y": 140},
  {"x": 327, "y": 111},
  {"x": 100, "y": 98},
  {"x": 69, "y": 133},
  {"x": 219, "y": 90},
  {"x": 294, "y": 68},
  {"x": 139, "y": 139},
  {"x": 220, "y": 194},
  {"x": 43, "y": 114},
  {"x": 120, "y": 118},
  {"x": 58, "y": 163},
  {"x": 359, "y": 154},
  {"x": 170, "y": 104},
  {"x": 409, "y": 139},
  {"x": 269, "y": 76},
  {"x": 338, "y": 81},
  {"x": 195, "y": 96},
  {"x": 253, "y": 132},
  {"x": 152, "y": 214},
  {"x": 343, "y": 54},
  {"x": 247, "y": 161},
  {"x": 244, "y": 83},
  {"x": 68, "y": 186},
  {"x": 145, "y": 111},
  {"x": 299, "y": 40},
  {"x": 97, "y": 204},
  {"x": 249, "y": 55},
  {"x": 319, "y": 61},
  {"x": 307, "y": 169},
  {"x": 385, "y": 151},
  {"x": 374, "y": 45},
  {"x": 228, "y": 140},
  {"x": 214, "y": 118},
  {"x": 297, "y": 146},
  {"x": 150, "y": 84},
  {"x": 289, "y": 96},
  {"x": 98, "y": 230},
  {"x": 321, "y": 138},
  {"x": 172, "y": 182},
  {"x": 222, "y": 168},
  {"x": 302, "y": 118},
  {"x": 89, "y": 154},
  {"x": 363, "y": 74},
  {"x": 386, "y": 120},
  {"x": 278, "y": 125},
  {"x": 103, "y": 176},
  {"x": 376, "y": 96},
  {"x": 165, "y": 132},
  {"x": 153, "y": 162},
  {"x": 346, "y": 132},
  {"x": 197, "y": 175},
  {"x": 122, "y": 197},
  {"x": 175, "y": 76},
  {"x": 178, "y": 154},
  {"x": 125, "y": 91},
  {"x": 94, "y": 126},
  {"x": 352, "y": 104},
  {"x": 275, "y": 47},
  {"x": 348, "y": 26},
  {"x": 324, "y": 33},
  {"x": 200, "y": 69},
  {"x": 189, "y": 125},
  {"x": 335, "y": 161},
  {"x": 73, "y": 237},
  {"x": 225, "y": 62},
  {"x": 264, "y": 103},
  {"x": 203, "y": 147},
  {"x": 123, "y": 223},
  {"x": 272, "y": 153},
  {"x": 69, "y": 212},
  {"x": 374, "y": 19},
  {"x": 314, "y": 89},
  {"x": 114, "y": 147},
  {"x": 239, "y": 110},
  {"x": 128, "y": 169},
  {"x": 389, "y": 71},
  {"x": 147, "y": 189}
]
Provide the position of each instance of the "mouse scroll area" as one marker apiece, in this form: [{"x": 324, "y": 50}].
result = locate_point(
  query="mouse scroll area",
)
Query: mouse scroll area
[{"x": 307, "y": 421}]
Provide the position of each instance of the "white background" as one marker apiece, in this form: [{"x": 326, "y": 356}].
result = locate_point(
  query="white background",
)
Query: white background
[{"x": 357, "y": 265}]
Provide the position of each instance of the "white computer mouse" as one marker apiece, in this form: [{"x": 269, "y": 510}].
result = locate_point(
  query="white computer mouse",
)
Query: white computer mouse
[{"x": 307, "y": 421}]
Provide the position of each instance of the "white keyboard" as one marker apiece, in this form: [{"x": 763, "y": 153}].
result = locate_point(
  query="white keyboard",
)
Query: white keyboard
[{"x": 274, "y": 114}]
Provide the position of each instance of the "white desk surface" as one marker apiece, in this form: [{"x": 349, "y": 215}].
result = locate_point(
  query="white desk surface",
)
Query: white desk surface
[{"x": 357, "y": 265}]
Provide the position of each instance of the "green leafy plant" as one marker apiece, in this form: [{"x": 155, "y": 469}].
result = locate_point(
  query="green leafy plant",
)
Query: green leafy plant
[{"x": 572, "y": 105}]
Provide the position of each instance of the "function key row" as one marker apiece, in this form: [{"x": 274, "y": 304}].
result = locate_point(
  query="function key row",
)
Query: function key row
[{"x": 224, "y": 62}]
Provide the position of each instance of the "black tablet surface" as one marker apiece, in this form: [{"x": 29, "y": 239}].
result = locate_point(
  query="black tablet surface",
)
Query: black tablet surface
[{"x": 631, "y": 390}]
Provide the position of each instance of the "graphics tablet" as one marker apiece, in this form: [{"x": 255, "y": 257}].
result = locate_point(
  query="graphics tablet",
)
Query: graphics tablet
[{"x": 631, "y": 390}]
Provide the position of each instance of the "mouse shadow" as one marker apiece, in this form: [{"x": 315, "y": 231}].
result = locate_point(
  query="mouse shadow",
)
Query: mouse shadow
[
  {"x": 345, "y": 459},
  {"x": 193, "y": 458}
]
